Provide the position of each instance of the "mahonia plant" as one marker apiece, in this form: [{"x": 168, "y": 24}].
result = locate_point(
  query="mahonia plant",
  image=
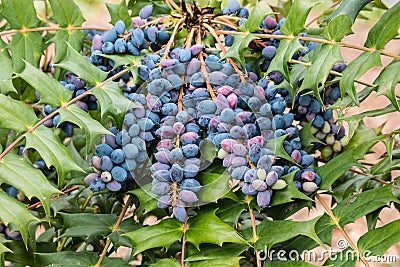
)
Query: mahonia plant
[{"x": 189, "y": 132}]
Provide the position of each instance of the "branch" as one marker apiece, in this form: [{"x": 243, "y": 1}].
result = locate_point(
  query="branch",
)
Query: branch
[
  {"x": 204, "y": 70},
  {"x": 340, "y": 228},
  {"x": 66, "y": 105},
  {"x": 53, "y": 28},
  {"x": 311, "y": 39},
  {"x": 171, "y": 39},
  {"x": 64, "y": 192},
  {"x": 254, "y": 227},
  {"x": 317, "y": 17},
  {"x": 114, "y": 229}
]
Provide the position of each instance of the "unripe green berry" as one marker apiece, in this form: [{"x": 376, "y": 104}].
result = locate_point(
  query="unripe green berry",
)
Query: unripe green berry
[
  {"x": 330, "y": 139},
  {"x": 309, "y": 187},
  {"x": 326, "y": 128},
  {"x": 222, "y": 154},
  {"x": 261, "y": 174},
  {"x": 320, "y": 135},
  {"x": 279, "y": 185},
  {"x": 313, "y": 130},
  {"x": 106, "y": 177},
  {"x": 344, "y": 141},
  {"x": 326, "y": 152},
  {"x": 337, "y": 147}
]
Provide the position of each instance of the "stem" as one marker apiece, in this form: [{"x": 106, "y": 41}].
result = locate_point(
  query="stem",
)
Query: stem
[
  {"x": 333, "y": 73},
  {"x": 183, "y": 239},
  {"x": 114, "y": 229},
  {"x": 311, "y": 39},
  {"x": 254, "y": 227},
  {"x": 373, "y": 178},
  {"x": 340, "y": 228},
  {"x": 66, "y": 105},
  {"x": 64, "y": 192},
  {"x": 203, "y": 69},
  {"x": 53, "y": 28},
  {"x": 215, "y": 35},
  {"x": 225, "y": 22},
  {"x": 172, "y": 3},
  {"x": 87, "y": 201},
  {"x": 154, "y": 21},
  {"x": 171, "y": 40}
]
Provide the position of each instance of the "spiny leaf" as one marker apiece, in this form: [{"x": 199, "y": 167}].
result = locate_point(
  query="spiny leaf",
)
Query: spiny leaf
[
  {"x": 355, "y": 70},
  {"x": 81, "y": 118},
  {"x": 167, "y": 263},
  {"x": 76, "y": 63},
  {"x": 15, "y": 212},
  {"x": 236, "y": 51},
  {"x": 89, "y": 225},
  {"x": 270, "y": 233},
  {"x": 119, "y": 12},
  {"x": 288, "y": 264},
  {"x": 50, "y": 90},
  {"x": 387, "y": 81},
  {"x": 62, "y": 37},
  {"x": 226, "y": 261},
  {"x": 289, "y": 194},
  {"x": 323, "y": 58},
  {"x": 307, "y": 138},
  {"x": 53, "y": 152},
  {"x": 6, "y": 73},
  {"x": 372, "y": 113},
  {"x": 15, "y": 115},
  {"x": 209, "y": 252},
  {"x": 284, "y": 53},
  {"x": 346, "y": 101},
  {"x": 379, "y": 240},
  {"x": 66, "y": 13},
  {"x": 19, "y": 13},
  {"x": 163, "y": 234},
  {"x": 385, "y": 29},
  {"x": 338, "y": 27},
  {"x": 348, "y": 186},
  {"x": 214, "y": 186},
  {"x": 123, "y": 60},
  {"x": 16, "y": 171},
  {"x": 259, "y": 11},
  {"x": 276, "y": 145},
  {"x": 297, "y": 16},
  {"x": 208, "y": 228},
  {"x": 3, "y": 249},
  {"x": 26, "y": 46},
  {"x": 112, "y": 101},
  {"x": 350, "y": 8},
  {"x": 73, "y": 259},
  {"x": 343, "y": 258}
]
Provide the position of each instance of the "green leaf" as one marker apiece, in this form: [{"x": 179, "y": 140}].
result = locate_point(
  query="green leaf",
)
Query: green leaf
[
  {"x": 223, "y": 262},
  {"x": 338, "y": 27},
  {"x": 372, "y": 113},
  {"x": 270, "y": 233},
  {"x": 296, "y": 19},
  {"x": 257, "y": 14},
  {"x": 81, "y": 118},
  {"x": 163, "y": 234},
  {"x": 6, "y": 73},
  {"x": 209, "y": 252},
  {"x": 323, "y": 58},
  {"x": 16, "y": 171},
  {"x": 119, "y": 12},
  {"x": 387, "y": 81},
  {"x": 288, "y": 264},
  {"x": 66, "y": 13},
  {"x": 111, "y": 100},
  {"x": 19, "y": 13},
  {"x": 147, "y": 200},
  {"x": 348, "y": 186},
  {"x": 73, "y": 259},
  {"x": 358, "y": 205},
  {"x": 307, "y": 138},
  {"x": 385, "y": 29},
  {"x": 214, "y": 186},
  {"x": 15, "y": 115},
  {"x": 350, "y": 8},
  {"x": 343, "y": 258},
  {"x": 26, "y": 46},
  {"x": 62, "y": 37},
  {"x": 53, "y": 152},
  {"x": 3, "y": 249},
  {"x": 289, "y": 194},
  {"x": 123, "y": 60},
  {"x": 208, "y": 152},
  {"x": 88, "y": 225},
  {"x": 355, "y": 70},
  {"x": 229, "y": 211},
  {"x": 76, "y": 63},
  {"x": 208, "y": 228},
  {"x": 276, "y": 146},
  {"x": 14, "y": 212},
  {"x": 236, "y": 51},
  {"x": 50, "y": 90},
  {"x": 167, "y": 263},
  {"x": 381, "y": 239},
  {"x": 284, "y": 53}
]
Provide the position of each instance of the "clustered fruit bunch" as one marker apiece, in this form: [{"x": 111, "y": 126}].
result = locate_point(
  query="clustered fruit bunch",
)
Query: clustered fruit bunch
[{"x": 188, "y": 98}]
